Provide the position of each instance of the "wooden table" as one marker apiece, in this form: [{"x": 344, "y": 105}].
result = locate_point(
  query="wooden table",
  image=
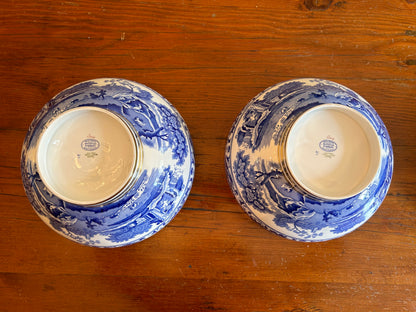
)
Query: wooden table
[{"x": 209, "y": 58}]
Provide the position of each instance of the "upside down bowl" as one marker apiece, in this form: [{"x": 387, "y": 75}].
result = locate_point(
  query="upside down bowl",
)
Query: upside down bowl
[
  {"x": 309, "y": 159},
  {"x": 107, "y": 162}
]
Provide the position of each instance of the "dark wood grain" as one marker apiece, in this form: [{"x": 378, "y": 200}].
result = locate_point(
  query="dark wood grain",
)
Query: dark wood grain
[{"x": 209, "y": 58}]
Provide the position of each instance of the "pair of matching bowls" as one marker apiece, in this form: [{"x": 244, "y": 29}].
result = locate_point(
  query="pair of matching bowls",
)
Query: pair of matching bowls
[{"x": 109, "y": 162}]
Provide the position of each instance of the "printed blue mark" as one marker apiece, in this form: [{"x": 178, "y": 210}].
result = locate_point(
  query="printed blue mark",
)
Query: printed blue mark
[
  {"x": 328, "y": 145},
  {"x": 90, "y": 144}
]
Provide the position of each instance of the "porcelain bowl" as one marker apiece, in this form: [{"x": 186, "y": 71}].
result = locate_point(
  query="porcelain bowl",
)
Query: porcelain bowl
[
  {"x": 107, "y": 162},
  {"x": 309, "y": 159}
]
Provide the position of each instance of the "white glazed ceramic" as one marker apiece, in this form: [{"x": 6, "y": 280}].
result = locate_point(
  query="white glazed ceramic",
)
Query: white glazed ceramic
[
  {"x": 107, "y": 162},
  {"x": 309, "y": 159},
  {"x": 88, "y": 155},
  {"x": 332, "y": 151}
]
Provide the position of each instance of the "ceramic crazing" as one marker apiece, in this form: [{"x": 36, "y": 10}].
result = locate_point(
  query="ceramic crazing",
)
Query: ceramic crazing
[
  {"x": 255, "y": 169},
  {"x": 162, "y": 186}
]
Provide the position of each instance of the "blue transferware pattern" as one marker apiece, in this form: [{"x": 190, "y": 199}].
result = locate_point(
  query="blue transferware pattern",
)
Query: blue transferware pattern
[
  {"x": 163, "y": 184},
  {"x": 258, "y": 181}
]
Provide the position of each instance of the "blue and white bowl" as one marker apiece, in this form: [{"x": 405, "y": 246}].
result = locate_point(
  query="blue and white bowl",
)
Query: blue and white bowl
[
  {"x": 107, "y": 162},
  {"x": 309, "y": 159}
]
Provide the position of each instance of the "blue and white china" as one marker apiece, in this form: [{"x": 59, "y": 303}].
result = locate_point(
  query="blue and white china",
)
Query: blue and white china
[
  {"x": 309, "y": 159},
  {"x": 107, "y": 162}
]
